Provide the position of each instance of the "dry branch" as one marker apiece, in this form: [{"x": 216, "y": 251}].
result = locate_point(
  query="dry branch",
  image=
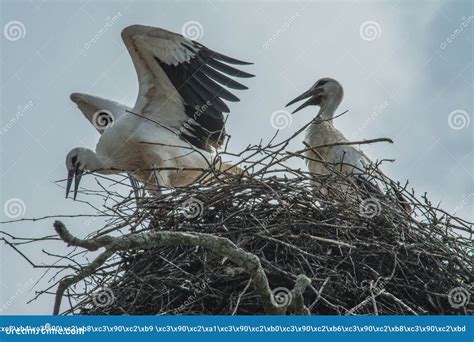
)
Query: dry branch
[
  {"x": 227, "y": 244},
  {"x": 219, "y": 245}
]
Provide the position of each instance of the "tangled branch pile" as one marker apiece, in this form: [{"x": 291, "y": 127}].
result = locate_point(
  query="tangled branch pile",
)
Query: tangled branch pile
[{"x": 272, "y": 242}]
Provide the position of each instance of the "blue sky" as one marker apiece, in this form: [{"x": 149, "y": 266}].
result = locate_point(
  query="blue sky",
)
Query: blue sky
[{"x": 406, "y": 67}]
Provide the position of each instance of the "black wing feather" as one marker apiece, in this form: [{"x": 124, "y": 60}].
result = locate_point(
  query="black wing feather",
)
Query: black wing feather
[
  {"x": 227, "y": 69},
  {"x": 221, "y": 78},
  {"x": 214, "y": 87},
  {"x": 221, "y": 57},
  {"x": 201, "y": 83}
]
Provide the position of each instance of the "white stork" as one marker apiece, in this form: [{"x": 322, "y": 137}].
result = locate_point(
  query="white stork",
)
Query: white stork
[
  {"x": 327, "y": 93},
  {"x": 177, "y": 121}
]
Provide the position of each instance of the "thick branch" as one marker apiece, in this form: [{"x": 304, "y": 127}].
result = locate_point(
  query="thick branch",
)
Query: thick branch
[
  {"x": 297, "y": 299},
  {"x": 87, "y": 271},
  {"x": 220, "y": 245}
]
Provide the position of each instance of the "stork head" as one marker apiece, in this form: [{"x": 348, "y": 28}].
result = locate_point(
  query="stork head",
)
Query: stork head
[
  {"x": 324, "y": 90},
  {"x": 75, "y": 168},
  {"x": 100, "y": 112}
]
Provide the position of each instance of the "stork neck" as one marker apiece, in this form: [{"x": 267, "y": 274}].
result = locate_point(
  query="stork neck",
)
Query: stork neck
[
  {"x": 92, "y": 162},
  {"x": 328, "y": 108}
]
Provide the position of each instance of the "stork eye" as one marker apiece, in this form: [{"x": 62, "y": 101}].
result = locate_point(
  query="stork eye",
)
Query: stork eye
[
  {"x": 102, "y": 119},
  {"x": 321, "y": 83}
]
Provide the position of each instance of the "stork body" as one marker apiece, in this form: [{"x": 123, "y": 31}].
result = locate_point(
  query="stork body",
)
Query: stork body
[
  {"x": 348, "y": 160},
  {"x": 177, "y": 121},
  {"x": 143, "y": 149},
  {"x": 327, "y": 93},
  {"x": 344, "y": 158}
]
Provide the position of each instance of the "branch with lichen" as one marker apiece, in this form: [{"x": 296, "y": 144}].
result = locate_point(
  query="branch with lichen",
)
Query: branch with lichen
[{"x": 146, "y": 240}]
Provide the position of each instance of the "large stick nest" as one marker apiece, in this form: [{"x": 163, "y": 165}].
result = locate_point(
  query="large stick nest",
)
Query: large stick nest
[{"x": 362, "y": 252}]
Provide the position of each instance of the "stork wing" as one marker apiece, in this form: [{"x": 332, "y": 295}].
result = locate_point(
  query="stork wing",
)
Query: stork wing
[
  {"x": 375, "y": 186},
  {"x": 361, "y": 161},
  {"x": 350, "y": 156},
  {"x": 100, "y": 112},
  {"x": 182, "y": 83}
]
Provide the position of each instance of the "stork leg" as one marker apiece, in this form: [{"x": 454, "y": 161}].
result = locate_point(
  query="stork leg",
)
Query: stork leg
[
  {"x": 135, "y": 187},
  {"x": 156, "y": 181},
  {"x": 162, "y": 180}
]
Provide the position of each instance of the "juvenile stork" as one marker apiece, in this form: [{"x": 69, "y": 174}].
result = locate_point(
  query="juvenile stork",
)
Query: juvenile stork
[
  {"x": 177, "y": 121},
  {"x": 327, "y": 93},
  {"x": 324, "y": 154}
]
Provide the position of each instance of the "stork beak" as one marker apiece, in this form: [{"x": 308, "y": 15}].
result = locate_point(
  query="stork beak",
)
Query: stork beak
[
  {"x": 75, "y": 174},
  {"x": 314, "y": 99},
  {"x": 70, "y": 176}
]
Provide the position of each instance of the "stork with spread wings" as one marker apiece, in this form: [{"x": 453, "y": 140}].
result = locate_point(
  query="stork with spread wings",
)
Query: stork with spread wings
[{"x": 177, "y": 121}]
